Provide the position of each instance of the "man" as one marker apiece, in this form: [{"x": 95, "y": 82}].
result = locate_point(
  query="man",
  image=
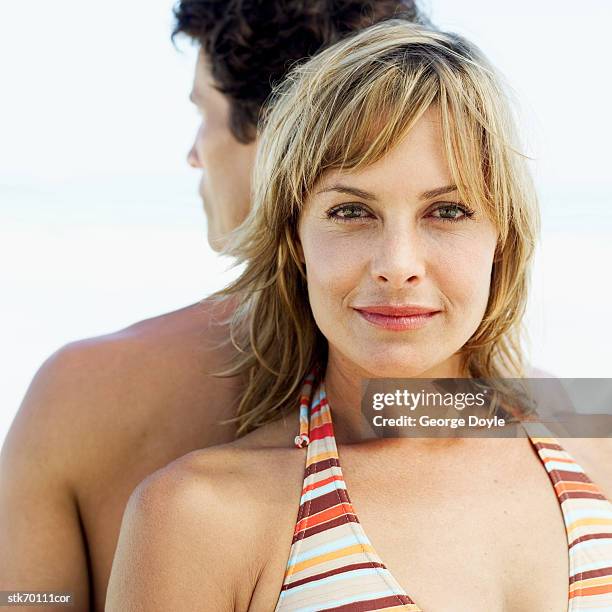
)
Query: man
[{"x": 103, "y": 413}]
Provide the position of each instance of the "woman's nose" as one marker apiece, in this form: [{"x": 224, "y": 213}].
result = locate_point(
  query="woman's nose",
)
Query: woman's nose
[{"x": 399, "y": 258}]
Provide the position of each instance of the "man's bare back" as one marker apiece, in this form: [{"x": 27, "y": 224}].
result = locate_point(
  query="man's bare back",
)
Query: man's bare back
[{"x": 101, "y": 415}]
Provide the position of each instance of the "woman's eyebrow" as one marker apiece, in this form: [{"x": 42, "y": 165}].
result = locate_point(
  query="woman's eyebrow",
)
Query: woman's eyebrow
[
  {"x": 359, "y": 193},
  {"x": 438, "y": 191},
  {"x": 366, "y": 195}
]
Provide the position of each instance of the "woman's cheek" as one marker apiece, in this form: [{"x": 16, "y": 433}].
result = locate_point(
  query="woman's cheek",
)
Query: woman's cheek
[
  {"x": 334, "y": 268},
  {"x": 465, "y": 277}
]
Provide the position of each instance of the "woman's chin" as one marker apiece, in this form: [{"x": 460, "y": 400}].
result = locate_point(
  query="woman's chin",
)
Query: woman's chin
[
  {"x": 402, "y": 369},
  {"x": 406, "y": 364}
]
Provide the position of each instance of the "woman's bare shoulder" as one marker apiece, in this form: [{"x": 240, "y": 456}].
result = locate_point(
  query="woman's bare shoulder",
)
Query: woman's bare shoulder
[
  {"x": 225, "y": 480},
  {"x": 202, "y": 523},
  {"x": 227, "y": 469}
]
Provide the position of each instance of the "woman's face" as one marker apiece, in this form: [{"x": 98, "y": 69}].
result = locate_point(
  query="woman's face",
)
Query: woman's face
[{"x": 389, "y": 237}]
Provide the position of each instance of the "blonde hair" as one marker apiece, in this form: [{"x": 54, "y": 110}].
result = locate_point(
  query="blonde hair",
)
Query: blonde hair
[{"x": 346, "y": 108}]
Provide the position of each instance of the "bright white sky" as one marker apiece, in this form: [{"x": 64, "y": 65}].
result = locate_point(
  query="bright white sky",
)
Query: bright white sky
[
  {"x": 100, "y": 224},
  {"x": 94, "y": 89}
]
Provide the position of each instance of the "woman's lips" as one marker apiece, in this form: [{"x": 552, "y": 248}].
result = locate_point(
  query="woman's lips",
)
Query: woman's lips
[{"x": 387, "y": 318}]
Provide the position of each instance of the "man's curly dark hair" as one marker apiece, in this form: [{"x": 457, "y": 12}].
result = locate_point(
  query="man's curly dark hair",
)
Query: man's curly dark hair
[{"x": 252, "y": 44}]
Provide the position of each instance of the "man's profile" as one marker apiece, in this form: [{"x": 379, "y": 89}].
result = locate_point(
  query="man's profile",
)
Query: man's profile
[{"x": 103, "y": 413}]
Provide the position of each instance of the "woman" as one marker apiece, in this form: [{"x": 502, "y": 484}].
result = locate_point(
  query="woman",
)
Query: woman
[{"x": 392, "y": 233}]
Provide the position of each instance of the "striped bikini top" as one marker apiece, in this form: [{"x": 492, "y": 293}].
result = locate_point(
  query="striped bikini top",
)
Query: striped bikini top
[{"x": 332, "y": 565}]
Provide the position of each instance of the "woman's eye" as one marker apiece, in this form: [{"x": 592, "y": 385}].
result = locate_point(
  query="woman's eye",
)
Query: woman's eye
[
  {"x": 347, "y": 212},
  {"x": 453, "y": 212}
]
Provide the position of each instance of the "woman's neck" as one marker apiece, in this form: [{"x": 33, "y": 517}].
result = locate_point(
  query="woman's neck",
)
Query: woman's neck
[{"x": 343, "y": 388}]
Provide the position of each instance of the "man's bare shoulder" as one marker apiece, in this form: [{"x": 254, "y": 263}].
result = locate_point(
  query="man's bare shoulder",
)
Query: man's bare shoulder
[
  {"x": 197, "y": 335},
  {"x": 98, "y": 395}
]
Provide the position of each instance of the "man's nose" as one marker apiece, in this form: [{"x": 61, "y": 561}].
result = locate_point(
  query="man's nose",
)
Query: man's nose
[
  {"x": 400, "y": 256},
  {"x": 192, "y": 158}
]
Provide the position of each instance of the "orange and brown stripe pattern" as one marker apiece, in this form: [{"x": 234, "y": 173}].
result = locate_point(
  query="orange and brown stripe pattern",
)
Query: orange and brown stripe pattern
[
  {"x": 333, "y": 567},
  {"x": 587, "y": 514}
]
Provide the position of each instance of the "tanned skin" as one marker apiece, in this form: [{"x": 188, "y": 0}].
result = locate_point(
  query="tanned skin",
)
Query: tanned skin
[
  {"x": 100, "y": 415},
  {"x": 103, "y": 413}
]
